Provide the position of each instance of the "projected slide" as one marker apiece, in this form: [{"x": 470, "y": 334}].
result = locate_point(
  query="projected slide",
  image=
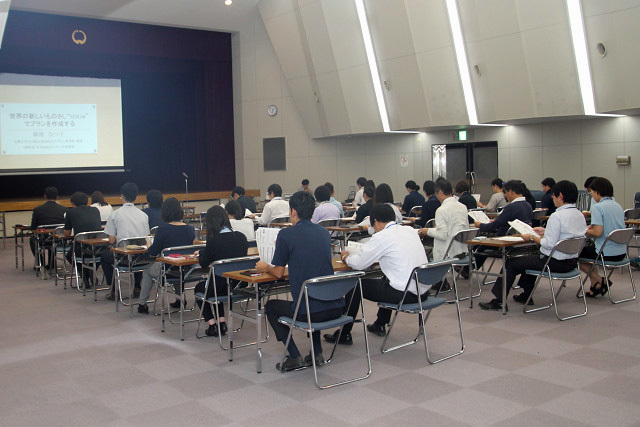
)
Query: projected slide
[
  {"x": 60, "y": 124},
  {"x": 30, "y": 129}
]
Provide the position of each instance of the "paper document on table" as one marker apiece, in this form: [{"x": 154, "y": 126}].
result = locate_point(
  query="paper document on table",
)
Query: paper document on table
[
  {"x": 479, "y": 216},
  {"x": 509, "y": 238},
  {"x": 354, "y": 247},
  {"x": 266, "y": 242},
  {"x": 522, "y": 228}
]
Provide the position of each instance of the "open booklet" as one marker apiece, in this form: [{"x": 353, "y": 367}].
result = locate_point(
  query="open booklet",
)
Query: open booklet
[
  {"x": 522, "y": 228},
  {"x": 479, "y": 216}
]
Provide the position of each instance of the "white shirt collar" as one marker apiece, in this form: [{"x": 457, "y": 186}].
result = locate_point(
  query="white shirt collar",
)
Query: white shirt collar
[{"x": 519, "y": 199}]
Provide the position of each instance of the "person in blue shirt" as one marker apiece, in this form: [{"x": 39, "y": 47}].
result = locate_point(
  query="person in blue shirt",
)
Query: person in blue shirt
[
  {"x": 154, "y": 210},
  {"x": 306, "y": 249},
  {"x": 606, "y": 216},
  {"x": 332, "y": 200},
  {"x": 413, "y": 198},
  {"x": 566, "y": 222}
]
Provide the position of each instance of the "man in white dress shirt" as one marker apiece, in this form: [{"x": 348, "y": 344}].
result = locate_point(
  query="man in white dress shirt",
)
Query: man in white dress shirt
[
  {"x": 398, "y": 250},
  {"x": 451, "y": 217},
  {"x": 277, "y": 206},
  {"x": 359, "y": 198}
]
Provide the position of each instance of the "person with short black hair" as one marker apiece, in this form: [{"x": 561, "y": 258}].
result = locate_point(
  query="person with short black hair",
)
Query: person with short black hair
[
  {"x": 365, "y": 209},
  {"x": 566, "y": 222},
  {"x": 384, "y": 194},
  {"x": 606, "y": 216},
  {"x": 238, "y": 221},
  {"x": 325, "y": 209},
  {"x": 247, "y": 203},
  {"x": 171, "y": 232},
  {"x": 306, "y": 249},
  {"x": 358, "y": 199},
  {"x": 413, "y": 198},
  {"x": 98, "y": 202},
  {"x": 81, "y": 218},
  {"x": 398, "y": 250},
  {"x": 154, "y": 210},
  {"x": 465, "y": 197},
  {"x": 430, "y": 205},
  {"x": 547, "y": 199},
  {"x": 304, "y": 186},
  {"x": 49, "y": 213},
  {"x": 222, "y": 243},
  {"x": 276, "y": 208},
  {"x": 128, "y": 221},
  {"x": 332, "y": 199}
]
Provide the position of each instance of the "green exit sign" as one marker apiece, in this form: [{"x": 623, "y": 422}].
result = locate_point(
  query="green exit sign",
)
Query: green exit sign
[{"x": 462, "y": 135}]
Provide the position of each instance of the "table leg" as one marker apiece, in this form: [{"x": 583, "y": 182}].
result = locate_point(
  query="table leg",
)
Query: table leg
[
  {"x": 182, "y": 304},
  {"x": 132, "y": 282},
  {"x": 259, "y": 330},
  {"x": 230, "y": 329},
  {"x": 504, "y": 280}
]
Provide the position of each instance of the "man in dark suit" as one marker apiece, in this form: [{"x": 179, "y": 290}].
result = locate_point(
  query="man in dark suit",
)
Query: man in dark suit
[
  {"x": 50, "y": 212},
  {"x": 246, "y": 202}
]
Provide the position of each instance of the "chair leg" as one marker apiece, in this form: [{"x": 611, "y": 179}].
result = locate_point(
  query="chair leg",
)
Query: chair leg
[
  {"x": 535, "y": 286},
  {"x": 386, "y": 337},
  {"x": 555, "y": 303},
  {"x": 424, "y": 334},
  {"x": 633, "y": 287}
]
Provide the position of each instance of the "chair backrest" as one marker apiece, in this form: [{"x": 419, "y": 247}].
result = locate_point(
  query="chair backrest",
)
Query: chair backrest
[
  {"x": 181, "y": 250},
  {"x": 570, "y": 246},
  {"x": 636, "y": 200},
  {"x": 91, "y": 235},
  {"x": 415, "y": 211},
  {"x": 462, "y": 236},
  {"x": 153, "y": 230},
  {"x": 279, "y": 220},
  {"x": 539, "y": 213},
  {"x": 222, "y": 266},
  {"x": 632, "y": 214},
  {"x": 48, "y": 226},
  {"x": 329, "y": 288},
  {"x": 622, "y": 236},
  {"x": 59, "y": 231},
  {"x": 329, "y": 222},
  {"x": 252, "y": 243},
  {"x": 140, "y": 241},
  {"x": 431, "y": 223},
  {"x": 431, "y": 273}
]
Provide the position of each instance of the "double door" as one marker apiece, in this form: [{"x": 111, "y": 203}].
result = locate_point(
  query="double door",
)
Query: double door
[{"x": 474, "y": 162}]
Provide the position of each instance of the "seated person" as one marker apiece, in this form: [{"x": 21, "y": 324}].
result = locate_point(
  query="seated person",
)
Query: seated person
[
  {"x": 304, "y": 186},
  {"x": 306, "y": 249},
  {"x": 332, "y": 200},
  {"x": 413, "y": 198},
  {"x": 497, "y": 200},
  {"x": 398, "y": 250},
  {"x": 529, "y": 197},
  {"x": 171, "y": 232},
  {"x": 325, "y": 209},
  {"x": 237, "y": 220},
  {"x": 606, "y": 216},
  {"x": 98, "y": 202},
  {"x": 365, "y": 209},
  {"x": 49, "y": 213},
  {"x": 566, "y": 222},
  {"x": 277, "y": 206},
  {"x": 81, "y": 218},
  {"x": 384, "y": 194},
  {"x": 247, "y": 203},
  {"x": 222, "y": 243},
  {"x": 451, "y": 217},
  {"x": 154, "y": 210},
  {"x": 465, "y": 197},
  {"x": 358, "y": 199},
  {"x": 430, "y": 205},
  {"x": 547, "y": 199},
  {"x": 123, "y": 223},
  {"x": 518, "y": 208}
]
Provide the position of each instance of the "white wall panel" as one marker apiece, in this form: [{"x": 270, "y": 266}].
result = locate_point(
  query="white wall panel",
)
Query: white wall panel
[
  {"x": 319, "y": 45},
  {"x": 562, "y": 162},
  {"x": 561, "y": 133},
  {"x": 486, "y": 19},
  {"x": 344, "y": 32},
  {"x": 524, "y": 165},
  {"x": 601, "y": 130},
  {"x": 332, "y": 102},
  {"x": 267, "y": 71},
  {"x": 360, "y": 100},
  {"x": 285, "y": 36},
  {"x": 307, "y": 106},
  {"x": 525, "y": 136},
  {"x": 429, "y": 24},
  {"x": 390, "y": 32}
]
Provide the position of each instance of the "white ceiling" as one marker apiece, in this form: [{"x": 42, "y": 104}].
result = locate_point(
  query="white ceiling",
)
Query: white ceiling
[{"x": 197, "y": 14}]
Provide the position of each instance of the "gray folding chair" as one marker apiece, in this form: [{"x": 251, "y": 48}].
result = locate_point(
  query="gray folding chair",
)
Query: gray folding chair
[
  {"x": 217, "y": 269},
  {"x": 572, "y": 246},
  {"x": 415, "y": 211},
  {"x": 622, "y": 236},
  {"x": 129, "y": 265},
  {"x": 279, "y": 220},
  {"x": 634, "y": 214},
  {"x": 426, "y": 274},
  {"x": 87, "y": 259},
  {"x": 60, "y": 247},
  {"x": 463, "y": 236},
  {"x": 328, "y": 288}
]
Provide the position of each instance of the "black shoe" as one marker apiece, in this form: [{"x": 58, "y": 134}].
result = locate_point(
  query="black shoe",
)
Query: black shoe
[
  {"x": 344, "y": 338},
  {"x": 465, "y": 272},
  {"x": 494, "y": 305},
  {"x": 143, "y": 309},
  {"x": 110, "y": 297},
  {"x": 175, "y": 304},
  {"x": 212, "y": 330},
  {"x": 308, "y": 361},
  {"x": 376, "y": 329},
  {"x": 136, "y": 293},
  {"x": 290, "y": 364},
  {"x": 522, "y": 298},
  {"x": 87, "y": 283}
]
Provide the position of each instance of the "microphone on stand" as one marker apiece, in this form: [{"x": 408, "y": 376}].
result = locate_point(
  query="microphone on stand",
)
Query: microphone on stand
[{"x": 186, "y": 188}]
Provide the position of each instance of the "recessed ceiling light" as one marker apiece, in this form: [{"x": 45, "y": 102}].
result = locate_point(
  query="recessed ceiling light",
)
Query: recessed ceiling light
[{"x": 228, "y": 2}]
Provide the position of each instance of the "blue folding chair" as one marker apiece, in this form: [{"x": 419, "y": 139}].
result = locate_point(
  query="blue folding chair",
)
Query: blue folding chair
[
  {"x": 426, "y": 274},
  {"x": 328, "y": 288},
  {"x": 572, "y": 246},
  {"x": 217, "y": 269}
]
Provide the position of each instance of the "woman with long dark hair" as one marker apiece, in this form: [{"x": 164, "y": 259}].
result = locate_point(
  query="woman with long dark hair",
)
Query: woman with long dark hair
[{"x": 222, "y": 243}]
